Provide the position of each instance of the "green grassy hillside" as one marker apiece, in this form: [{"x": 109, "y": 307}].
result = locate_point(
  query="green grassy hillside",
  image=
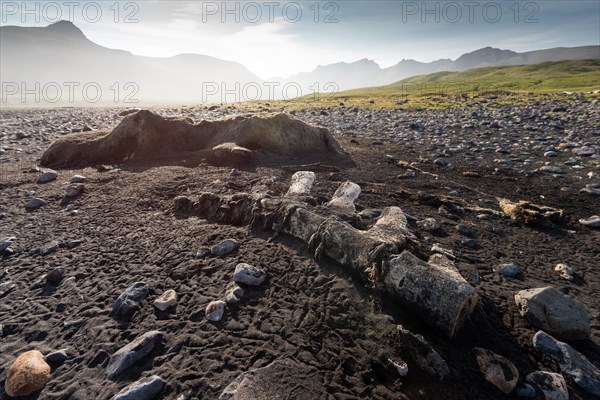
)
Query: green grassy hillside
[{"x": 548, "y": 77}]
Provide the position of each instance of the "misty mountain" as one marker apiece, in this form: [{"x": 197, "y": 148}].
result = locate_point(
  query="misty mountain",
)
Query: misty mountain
[
  {"x": 367, "y": 73},
  {"x": 51, "y": 65},
  {"x": 60, "y": 59}
]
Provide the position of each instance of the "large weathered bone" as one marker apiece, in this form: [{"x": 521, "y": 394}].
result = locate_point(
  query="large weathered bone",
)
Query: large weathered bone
[
  {"x": 344, "y": 197},
  {"x": 435, "y": 289},
  {"x": 302, "y": 182}
]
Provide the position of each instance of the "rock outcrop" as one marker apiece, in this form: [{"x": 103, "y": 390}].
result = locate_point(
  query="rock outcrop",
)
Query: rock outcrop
[{"x": 145, "y": 136}]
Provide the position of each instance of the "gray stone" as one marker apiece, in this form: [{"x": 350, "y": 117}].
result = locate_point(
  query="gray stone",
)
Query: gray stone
[
  {"x": 214, "y": 310},
  {"x": 74, "y": 243},
  {"x": 233, "y": 293},
  {"x": 72, "y": 323},
  {"x": 442, "y": 162},
  {"x": 78, "y": 179},
  {"x": 130, "y": 354},
  {"x": 202, "y": 253},
  {"x": 470, "y": 243},
  {"x": 571, "y": 362},
  {"x": 143, "y": 389},
  {"x": 526, "y": 391},
  {"x": 423, "y": 354},
  {"x": 34, "y": 204},
  {"x": 166, "y": 300},
  {"x": 592, "y": 188},
  {"x": 550, "y": 169},
  {"x": 6, "y": 288},
  {"x": 584, "y": 151},
  {"x": 55, "y": 276},
  {"x": 553, "y": 386},
  {"x": 591, "y": 222},
  {"x": 369, "y": 213},
  {"x": 47, "y": 176},
  {"x": 48, "y": 249},
  {"x": 465, "y": 230},
  {"x": 249, "y": 275},
  {"x": 508, "y": 270},
  {"x": 74, "y": 189},
  {"x": 282, "y": 379},
  {"x": 225, "y": 247},
  {"x": 7, "y": 243},
  {"x": 129, "y": 301},
  {"x": 497, "y": 370},
  {"x": 57, "y": 357},
  {"x": 554, "y": 312}
]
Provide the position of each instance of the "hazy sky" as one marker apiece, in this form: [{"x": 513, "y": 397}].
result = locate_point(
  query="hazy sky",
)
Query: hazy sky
[{"x": 280, "y": 38}]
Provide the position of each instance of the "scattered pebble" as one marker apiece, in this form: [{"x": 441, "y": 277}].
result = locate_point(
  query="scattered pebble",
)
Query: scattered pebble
[
  {"x": 233, "y": 293},
  {"x": 78, "y": 179},
  {"x": 143, "y": 389},
  {"x": 555, "y": 312},
  {"x": 55, "y": 276},
  {"x": 507, "y": 270},
  {"x": 552, "y": 385},
  {"x": 592, "y": 188},
  {"x": 166, "y": 300},
  {"x": 591, "y": 222},
  {"x": 57, "y": 357},
  {"x": 131, "y": 353},
  {"x": 225, "y": 247},
  {"x": 7, "y": 243},
  {"x": 550, "y": 169},
  {"x": 465, "y": 230},
  {"x": 129, "y": 301},
  {"x": 571, "y": 362},
  {"x": 74, "y": 189},
  {"x": 48, "y": 249},
  {"x": 526, "y": 390},
  {"x": 6, "y": 288},
  {"x": 72, "y": 323},
  {"x": 203, "y": 252},
  {"x": 74, "y": 243},
  {"x": 214, "y": 310},
  {"x": 27, "y": 374},
  {"x": 442, "y": 162},
  {"x": 47, "y": 176},
  {"x": 249, "y": 275},
  {"x": 34, "y": 204}
]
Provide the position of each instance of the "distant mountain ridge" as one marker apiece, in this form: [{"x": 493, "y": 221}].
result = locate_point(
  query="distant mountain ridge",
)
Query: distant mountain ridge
[
  {"x": 367, "y": 73},
  {"x": 59, "y": 53}
]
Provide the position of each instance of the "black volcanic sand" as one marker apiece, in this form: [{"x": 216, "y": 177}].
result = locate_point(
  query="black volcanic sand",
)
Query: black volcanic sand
[{"x": 313, "y": 313}]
